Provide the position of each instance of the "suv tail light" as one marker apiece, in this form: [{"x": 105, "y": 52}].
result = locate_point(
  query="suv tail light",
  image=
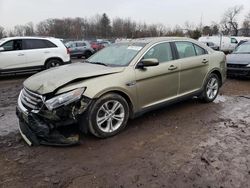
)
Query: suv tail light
[{"x": 67, "y": 51}]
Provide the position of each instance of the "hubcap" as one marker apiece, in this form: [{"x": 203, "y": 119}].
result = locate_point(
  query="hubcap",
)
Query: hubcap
[
  {"x": 212, "y": 88},
  {"x": 110, "y": 116},
  {"x": 54, "y": 64}
]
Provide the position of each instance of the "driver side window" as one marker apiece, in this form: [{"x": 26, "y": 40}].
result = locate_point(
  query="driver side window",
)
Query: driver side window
[
  {"x": 12, "y": 45},
  {"x": 162, "y": 52}
]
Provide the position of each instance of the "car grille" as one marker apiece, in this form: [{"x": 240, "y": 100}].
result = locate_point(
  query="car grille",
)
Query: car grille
[
  {"x": 236, "y": 65},
  {"x": 30, "y": 100}
]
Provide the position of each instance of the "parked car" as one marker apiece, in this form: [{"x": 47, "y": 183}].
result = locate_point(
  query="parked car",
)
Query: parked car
[
  {"x": 212, "y": 45},
  {"x": 241, "y": 42},
  {"x": 225, "y": 43},
  {"x": 29, "y": 54},
  {"x": 119, "y": 82},
  {"x": 105, "y": 43},
  {"x": 79, "y": 49},
  {"x": 96, "y": 45},
  {"x": 238, "y": 63}
]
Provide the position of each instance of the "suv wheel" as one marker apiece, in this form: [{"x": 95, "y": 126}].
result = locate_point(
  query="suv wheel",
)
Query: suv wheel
[
  {"x": 87, "y": 54},
  {"x": 108, "y": 115},
  {"x": 52, "y": 63},
  {"x": 211, "y": 88}
]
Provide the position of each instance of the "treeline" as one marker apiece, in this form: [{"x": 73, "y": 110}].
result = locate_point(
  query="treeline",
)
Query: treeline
[{"x": 101, "y": 26}]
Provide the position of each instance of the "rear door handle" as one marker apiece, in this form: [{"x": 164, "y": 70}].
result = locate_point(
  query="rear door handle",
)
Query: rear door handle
[
  {"x": 46, "y": 52},
  {"x": 172, "y": 67},
  {"x": 204, "y": 61},
  {"x": 20, "y": 54}
]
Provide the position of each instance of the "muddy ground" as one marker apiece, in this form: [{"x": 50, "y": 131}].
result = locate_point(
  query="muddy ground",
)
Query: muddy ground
[{"x": 188, "y": 144}]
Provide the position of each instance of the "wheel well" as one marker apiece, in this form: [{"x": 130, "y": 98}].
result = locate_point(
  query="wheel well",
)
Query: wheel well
[
  {"x": 57, "y": 58},
  {"x": 219, "y": 76},
  {"x": 126, "y": 97}
]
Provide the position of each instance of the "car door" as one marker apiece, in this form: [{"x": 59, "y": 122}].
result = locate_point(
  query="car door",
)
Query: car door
[
  {"x": 36, "y": 52},
  {"x": 159, "y": 83},
  {"x": 194, "y": 62},
  {"x": 13, "y": 56},
  {"x": 81, "y": 47}
]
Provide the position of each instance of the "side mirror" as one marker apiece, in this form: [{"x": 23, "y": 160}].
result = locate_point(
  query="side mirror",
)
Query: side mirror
[
  {"x": 1, "y": 49},
  {"x": 148, "y": 63}
]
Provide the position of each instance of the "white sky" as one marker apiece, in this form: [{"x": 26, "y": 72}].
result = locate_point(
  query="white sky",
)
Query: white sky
[{"x": 167, "y": 12}]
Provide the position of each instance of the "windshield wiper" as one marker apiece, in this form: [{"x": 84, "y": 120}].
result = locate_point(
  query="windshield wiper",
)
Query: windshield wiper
[{"x": 98, "y": 63}]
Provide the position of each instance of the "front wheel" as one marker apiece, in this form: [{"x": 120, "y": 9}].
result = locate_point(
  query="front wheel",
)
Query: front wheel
[
  {"x": 108, "y": 115},
  {"x": 211, "y": 88}
]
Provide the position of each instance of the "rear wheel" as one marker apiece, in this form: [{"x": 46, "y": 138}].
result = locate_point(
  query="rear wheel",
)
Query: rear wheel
[
  {"x": 211, "y": 88},
  {"x": 108, "y": 115},
  {"x": 52, "y": 63},
  {"x": 87, "y": 54}
]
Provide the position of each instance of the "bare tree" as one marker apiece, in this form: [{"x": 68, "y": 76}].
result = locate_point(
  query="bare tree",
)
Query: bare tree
[
  {"x": 246, "y": 25},
  {"x": 229, "y": 23},
  {"x": 19, "y": 30},
  {"x": 2, "y": 32}
]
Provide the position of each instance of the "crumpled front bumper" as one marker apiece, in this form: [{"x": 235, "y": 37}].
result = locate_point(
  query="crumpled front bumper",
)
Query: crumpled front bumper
[{"x": 35, "y": 131}]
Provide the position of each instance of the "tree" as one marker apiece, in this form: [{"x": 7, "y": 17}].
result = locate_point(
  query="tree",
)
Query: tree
[
  {"x": 246, "y": 25},
  {"x": 2, "y": 32},
  {"x": 206, "y": 30},
  {"x": 105, "y": 26},
  {"x": 29, "y": 29},
  {"x": 19, "y": 30},
  {"x": 229, "y": 22}
]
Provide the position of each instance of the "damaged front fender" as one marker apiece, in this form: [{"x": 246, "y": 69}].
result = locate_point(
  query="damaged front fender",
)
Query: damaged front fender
[{"x": 42, "y": 127}]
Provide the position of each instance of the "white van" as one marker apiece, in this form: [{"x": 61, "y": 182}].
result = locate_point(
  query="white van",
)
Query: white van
[
  {"x": 30, "y": 54},
  {"x": 226, "y": 43}
]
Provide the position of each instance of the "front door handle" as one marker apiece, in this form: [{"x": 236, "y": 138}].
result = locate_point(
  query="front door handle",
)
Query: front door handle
[
  {"x": 20, "y": 54},
  {"x": 172, "y": 67},
  {"x": 204, "y": 61}
]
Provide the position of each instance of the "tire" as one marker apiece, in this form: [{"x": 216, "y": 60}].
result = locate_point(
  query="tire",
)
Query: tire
[
  {"x": 107, "y": 116},
  {"x": 52, "y": 63},
  {"x": 211, "y": 88},
  {"x": 87, "y": 54}
]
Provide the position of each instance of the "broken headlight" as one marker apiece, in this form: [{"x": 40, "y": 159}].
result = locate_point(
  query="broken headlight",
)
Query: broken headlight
[{"x": 64, "y": 99}]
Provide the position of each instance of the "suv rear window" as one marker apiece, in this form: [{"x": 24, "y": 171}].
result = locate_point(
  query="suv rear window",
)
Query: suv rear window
[{"x": 37, "y": 44}]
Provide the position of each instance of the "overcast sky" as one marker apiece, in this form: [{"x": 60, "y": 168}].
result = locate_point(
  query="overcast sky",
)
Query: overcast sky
[{"x": 167, "y": 12}]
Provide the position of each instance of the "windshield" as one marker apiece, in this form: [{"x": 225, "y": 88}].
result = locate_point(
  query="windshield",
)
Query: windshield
[
  {"x": 243, "y": 49},
  {"x": 119, "y": 54}
]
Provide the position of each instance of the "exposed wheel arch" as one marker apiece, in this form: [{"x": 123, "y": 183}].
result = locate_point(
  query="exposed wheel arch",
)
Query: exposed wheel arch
[{"x": 218, "y": 73}]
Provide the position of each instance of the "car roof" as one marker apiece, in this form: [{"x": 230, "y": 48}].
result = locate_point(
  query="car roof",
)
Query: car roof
[
  {"x": 28, "y": 37},
  {"x": 148, "y": 40}
]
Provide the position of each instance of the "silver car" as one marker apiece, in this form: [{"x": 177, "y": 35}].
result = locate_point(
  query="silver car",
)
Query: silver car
[{"x": 79, "y": 49}]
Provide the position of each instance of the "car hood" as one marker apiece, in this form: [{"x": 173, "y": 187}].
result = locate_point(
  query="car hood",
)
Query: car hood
[
  {"x": 52, "y": 79},
  {"x": 238, "y": 59}
]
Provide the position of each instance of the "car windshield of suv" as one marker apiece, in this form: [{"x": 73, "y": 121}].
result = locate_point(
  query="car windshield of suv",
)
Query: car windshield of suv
[
  {"x": 119, "y": 54},
  {"x": 243, "y": 49}
]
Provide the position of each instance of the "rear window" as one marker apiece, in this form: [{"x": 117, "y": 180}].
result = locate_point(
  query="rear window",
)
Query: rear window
[
  {"x": 37, "y": 44},
  {"x": 188, "y": 49},
  {"x": 185, "y": 49},
  {"x": 199, "y": 50}
]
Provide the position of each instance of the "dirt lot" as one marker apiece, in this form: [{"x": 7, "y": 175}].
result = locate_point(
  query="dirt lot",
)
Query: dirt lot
[{"x": 189, "y": 144}]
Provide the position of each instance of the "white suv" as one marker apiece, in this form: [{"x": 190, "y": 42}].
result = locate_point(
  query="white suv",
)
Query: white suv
[{"x": 29, "y": 54}]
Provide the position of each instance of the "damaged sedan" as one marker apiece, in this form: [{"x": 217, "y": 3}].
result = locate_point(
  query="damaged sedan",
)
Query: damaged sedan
[{"x": 120, "y": 82}]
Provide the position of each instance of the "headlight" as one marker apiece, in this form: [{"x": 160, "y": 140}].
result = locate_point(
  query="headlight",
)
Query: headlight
[
  {"x": 248, "y": 65},
  {"x": 64, "y": 99}
]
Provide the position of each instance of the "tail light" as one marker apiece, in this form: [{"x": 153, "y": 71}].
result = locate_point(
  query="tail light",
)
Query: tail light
[{"x": 67, "y": 51}]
